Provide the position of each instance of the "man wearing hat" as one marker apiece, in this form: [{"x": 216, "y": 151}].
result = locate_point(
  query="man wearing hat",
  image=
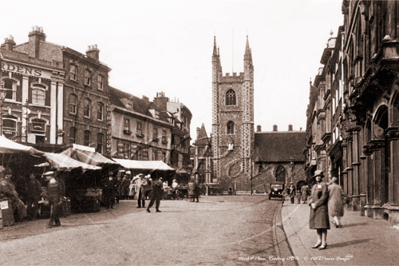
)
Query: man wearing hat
[
  {"x": 156, "y": 195},
  {"x": 54, "y": 197},
  {"x": 6, "y": 194},
  {"x": 141, "y": 184},
  {"x": 109, "y": 190}
]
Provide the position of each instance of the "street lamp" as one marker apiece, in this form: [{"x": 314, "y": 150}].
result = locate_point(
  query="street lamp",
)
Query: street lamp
[
  {"x": 292, "y": 166},
  {"x": 3, "y": 93}
]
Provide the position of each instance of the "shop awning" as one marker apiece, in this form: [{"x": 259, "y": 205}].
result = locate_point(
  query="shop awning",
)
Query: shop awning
[
  {"x": 9, "y": 146},
  {"x": 144, "y": 165},
  {"x": 63, "y": 162},
  {"x": 89, "y": 157}
]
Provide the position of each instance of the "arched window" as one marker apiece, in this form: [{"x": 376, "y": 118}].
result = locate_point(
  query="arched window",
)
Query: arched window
[
  {"x": 231, "y": 97},
  {"x": 72, "y": 135},
  {"x": 72, "y": 103},
  {"x": 230, "y": 127},
  {"x": 87, "y": 77},
  {"x": 9, "y": 126},
  {"x": 11, "y": 86},
  {"x": 87, "y": 107},
  {"x": 86, "y": 140},
  {"x": 100, "y": 111},
  {"x": 38, "y": 94},
  {"x": 38, "y": 126},
  {"x": 281, "y": 173}
]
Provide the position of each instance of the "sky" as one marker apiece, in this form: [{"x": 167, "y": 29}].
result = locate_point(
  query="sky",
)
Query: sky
[{"x": 166, "y": 46}]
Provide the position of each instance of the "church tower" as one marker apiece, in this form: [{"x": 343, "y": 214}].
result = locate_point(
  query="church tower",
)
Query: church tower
[{"x": 232, "y": 122}]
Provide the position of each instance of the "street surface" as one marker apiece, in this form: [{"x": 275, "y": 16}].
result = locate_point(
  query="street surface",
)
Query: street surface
[{"x": 219, "y": 230}]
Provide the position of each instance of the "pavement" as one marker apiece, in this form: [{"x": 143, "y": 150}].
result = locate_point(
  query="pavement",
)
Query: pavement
[{"x": 360, "y": 241}]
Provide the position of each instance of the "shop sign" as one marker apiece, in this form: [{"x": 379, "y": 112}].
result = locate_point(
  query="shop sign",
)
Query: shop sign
[{"x": 29, "y": 71}]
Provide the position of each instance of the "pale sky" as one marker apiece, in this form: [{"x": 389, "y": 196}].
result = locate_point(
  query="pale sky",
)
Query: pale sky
[{"x": 167, "y": 45}]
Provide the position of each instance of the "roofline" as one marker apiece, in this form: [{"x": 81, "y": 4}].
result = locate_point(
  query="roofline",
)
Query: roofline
[{"x": 124, "y": 110}]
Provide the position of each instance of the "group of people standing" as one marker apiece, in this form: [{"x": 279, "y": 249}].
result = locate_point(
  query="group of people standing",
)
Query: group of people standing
[{"x": 325, "y": 200}]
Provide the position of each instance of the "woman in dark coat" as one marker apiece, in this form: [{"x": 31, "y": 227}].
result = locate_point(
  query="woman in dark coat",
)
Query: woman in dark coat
[{"x": 319, "y": 219}]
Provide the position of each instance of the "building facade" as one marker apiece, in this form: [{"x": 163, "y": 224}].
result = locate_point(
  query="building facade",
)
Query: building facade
[
  {"x": 362, "y": 76},
  {"x": 140, "y": 130},
  {"x": 232, "y": 123},
  {"x": 32, "y": 109},
  {"x": 75, "y": 89}
]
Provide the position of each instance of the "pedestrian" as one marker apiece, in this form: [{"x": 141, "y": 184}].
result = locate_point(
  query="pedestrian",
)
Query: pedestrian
[
  {"x": 54, "y": 197},
  {"x": 291, "y": 192},
  {"x": 19, "y": 209},
  {"x": 335, "y": 206},
  {"x": 193, "y": 189},
  {"x": 125, "y": 185},
  {"x": 304, "y": 191},
  {"x": 156, "y": 194},
  {"x": 175, "y": 186},
  {"x": 140, "y": 187},
  {"x": 319, "y": 219},
  {"x": 118, "y": 185},
  {"x": 109, "y": 190},
  {"x": 34, "y": 192},
  {"x": 148, "y": 186}
]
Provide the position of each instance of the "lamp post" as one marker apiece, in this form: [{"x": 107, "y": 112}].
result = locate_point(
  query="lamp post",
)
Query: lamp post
[
  {"x": 3, "y": 93},
  {"x": 25, "y": 113},
  {"x": 292, "y": 166}
]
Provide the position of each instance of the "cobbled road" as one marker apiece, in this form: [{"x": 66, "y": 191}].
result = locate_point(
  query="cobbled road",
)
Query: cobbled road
[{"x": 219, "y": 230}]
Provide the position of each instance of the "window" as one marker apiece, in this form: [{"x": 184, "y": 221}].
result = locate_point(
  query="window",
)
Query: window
[
  {"x": 72, "y": 135},
  {"x": 86, "y": 140},
  {"x": 100, "y": 82},
  {"x": 87, "y": 77},
  {"x": 155, "y": 133},
  {"x": 139, "y": 131},
  {"x": 87, "y": 105},
  {"x": 38, "y": 94},
  {"x": 72, "y": 103},
  {"x": 126, "y": 124},
  {"x": 11, "y": 86},
  {"x": 230, "y": 97},
  {"x": 100, "y": 139},
  {"x": 73, "y": 72},
  {"x": 100, "y": 111},
  {"x": 9, "y": 127},
  {"x": 164, "y": 136},
  {"x": 230, "y": 127}
]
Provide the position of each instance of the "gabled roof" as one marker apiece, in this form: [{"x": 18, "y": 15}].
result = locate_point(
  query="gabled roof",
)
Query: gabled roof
[
  {"x": 279, "y": 146},
  {"x": 139, "y": 105}
]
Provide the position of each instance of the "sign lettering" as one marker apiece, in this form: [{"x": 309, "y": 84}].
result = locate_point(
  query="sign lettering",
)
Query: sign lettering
[{"x": 23, "y": 70}]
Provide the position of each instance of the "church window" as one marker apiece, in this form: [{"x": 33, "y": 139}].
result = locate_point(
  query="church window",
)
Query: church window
[
  {"x": 231, "y": 97},
  {"x": 230, "y": 127}
]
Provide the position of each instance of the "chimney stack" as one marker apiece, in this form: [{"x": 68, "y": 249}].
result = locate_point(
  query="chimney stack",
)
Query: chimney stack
[
  {"x": 9, "y": 43},
  {"x": 198, "y": 131},
  {"x": 258, "y": 128},
  {"x": 35, "y": 37},
  {"x": 275, "y": 128},
  {"x": 290, "y": 128},
  {"x": 93, "y": 52}
]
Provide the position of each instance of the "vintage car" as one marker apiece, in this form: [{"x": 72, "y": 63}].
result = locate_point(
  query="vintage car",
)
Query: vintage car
[{"x": 276, "y": 191}]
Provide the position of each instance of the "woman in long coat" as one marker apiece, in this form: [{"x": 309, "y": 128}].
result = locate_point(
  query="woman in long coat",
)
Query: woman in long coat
[
  {"x": 335, "y": 206},
  {"x": 140, "y": 189},
  {"x": 319, "y": 219},
  {"x": 304, "y": 190}
]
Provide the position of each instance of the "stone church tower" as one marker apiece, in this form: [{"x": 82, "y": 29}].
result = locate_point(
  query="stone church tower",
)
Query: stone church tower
[{"x": 232, "y": 123}]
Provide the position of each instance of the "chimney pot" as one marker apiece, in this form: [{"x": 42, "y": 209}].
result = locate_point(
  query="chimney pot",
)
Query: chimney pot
[
  {"x": 290, "y": 128},
  {"x": 258, "y": 128},
  {"x": 275, "y": 128}
]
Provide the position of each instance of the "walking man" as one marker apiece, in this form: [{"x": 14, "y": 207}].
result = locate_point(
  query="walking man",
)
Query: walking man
[
  {"x": 156, "y": 194},
  {"x": 34, "y": 191},
  {"x": 54, "y": 197}
]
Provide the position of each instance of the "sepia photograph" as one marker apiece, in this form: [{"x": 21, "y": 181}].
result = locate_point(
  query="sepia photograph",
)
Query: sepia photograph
[{"x": 202, "y": 132}]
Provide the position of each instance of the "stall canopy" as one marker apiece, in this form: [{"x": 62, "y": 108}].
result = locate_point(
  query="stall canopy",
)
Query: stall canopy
[
  {"x": 63, "y": 162},
  {"x": 144, "y": 165},
  {"x": 89, "y": 157},
  {"x": 9, "y": 146}
]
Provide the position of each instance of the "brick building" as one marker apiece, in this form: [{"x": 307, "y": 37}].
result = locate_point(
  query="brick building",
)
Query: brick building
[
  {"x": 33, "y": 108},
  {"x": 80, "y": 93}
]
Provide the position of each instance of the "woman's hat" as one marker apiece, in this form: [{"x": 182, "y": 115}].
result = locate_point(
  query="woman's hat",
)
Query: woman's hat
[
  {"x": 48, "y": 173},
  {"x": 128, "y": 172},
  {"x": 318, "y": 173}
]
